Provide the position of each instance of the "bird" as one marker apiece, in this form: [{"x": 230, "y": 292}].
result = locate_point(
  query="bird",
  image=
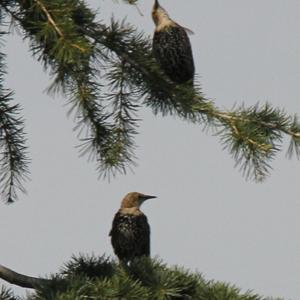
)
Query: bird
[
  {"x": 130, "y": 232},
  {"x": 171, "y": 47}
]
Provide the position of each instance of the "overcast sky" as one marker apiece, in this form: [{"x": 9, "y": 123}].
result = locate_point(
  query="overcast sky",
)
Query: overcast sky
[{"x": 206, "y": 216}]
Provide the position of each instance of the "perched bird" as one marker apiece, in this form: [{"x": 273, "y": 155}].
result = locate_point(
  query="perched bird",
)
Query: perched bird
[
  {"x": 130, "y": 232},
  {"x": 171, "y": 47}
]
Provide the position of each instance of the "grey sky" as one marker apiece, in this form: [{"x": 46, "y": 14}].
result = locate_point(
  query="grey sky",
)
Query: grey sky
[{"x": 206, "y": 216}]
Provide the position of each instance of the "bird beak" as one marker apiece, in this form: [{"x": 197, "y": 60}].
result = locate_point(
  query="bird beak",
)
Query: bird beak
[
  {"x": 146, "y": 197},
  {"x": 156, "y": 4}
]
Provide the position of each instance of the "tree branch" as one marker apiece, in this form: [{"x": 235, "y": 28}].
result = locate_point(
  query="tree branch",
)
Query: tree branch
[
  {"x": 55, "y": 26},
  {"x": 21, "y": 280},
  {"x": 50, "y": 19},
  {"x": 252, "y": 135}
]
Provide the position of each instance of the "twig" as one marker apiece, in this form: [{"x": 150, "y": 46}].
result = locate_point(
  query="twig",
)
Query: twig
[
  {"x": 49, "y": 17},
  {"x": 57, "y": 29},
  {"x": 228, "y": 117},
  {"x": 263, "y": 147}
]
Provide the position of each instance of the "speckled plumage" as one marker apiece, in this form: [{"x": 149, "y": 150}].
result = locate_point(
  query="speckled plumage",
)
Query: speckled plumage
[
  {"x": 171, "y": 47},
  {"x": 130, "y": 232},
  {"x": 130, "y": 236},
  {"x": 172, "y": 50}
]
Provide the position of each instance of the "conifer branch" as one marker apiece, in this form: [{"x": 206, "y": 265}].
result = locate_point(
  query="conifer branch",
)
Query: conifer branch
[
  {"x": 55, "y": 26},
  {"x": 93, "y": 277},
  {"x": 13, "y": 151},
  {"x": 49, "y": 17},
  {"x": 14, "y": 161},
  {"x": 252, "y": 135},
  {"x": 124, "y": 108},
  {"x": 250, "y": 151}
]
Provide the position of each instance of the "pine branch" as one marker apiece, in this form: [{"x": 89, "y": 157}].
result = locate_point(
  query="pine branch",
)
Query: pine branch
[
  {"x": 69, "y": 55},
  {"x": 13, "y": 151},
  {"x": 14, "y": 161},
  {"x": 94, "y": 278},
  {"x": 252, "y": 135},
  {"x": 90, "y": 277},
  {"x": 124, "y": 107},
  {"x": 81, "y": 52}
]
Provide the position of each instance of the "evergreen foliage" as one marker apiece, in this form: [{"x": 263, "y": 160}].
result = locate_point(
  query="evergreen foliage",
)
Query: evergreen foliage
[
  {"x": 13, "y": 154},
  {"x": 98, "y": 278},
  {"x": 107, "y": 72}
]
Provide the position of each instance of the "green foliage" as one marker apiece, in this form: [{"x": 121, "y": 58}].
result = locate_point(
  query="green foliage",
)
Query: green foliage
[
  {"x": 90, "y": 266},
  {"x": 164, "y": 282},
  {"x": 98, "y": 278},
  {"x": 13, "y": 151},
  {"x": 107, "y": 72},
  {"x": 254, "y": 146}
]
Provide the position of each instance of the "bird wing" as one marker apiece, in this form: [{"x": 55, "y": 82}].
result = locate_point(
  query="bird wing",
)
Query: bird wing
[
  {"x": 143, "y": 238},
  {"x": 123, "y": 235},
  {"x": 188, "y": 31},
  {"x": 172, "y": 49}
]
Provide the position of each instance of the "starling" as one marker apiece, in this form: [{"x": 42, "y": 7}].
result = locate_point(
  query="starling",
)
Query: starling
[
  {"x": 130, "y": 233},
  {"x": 171, "y": 47}
]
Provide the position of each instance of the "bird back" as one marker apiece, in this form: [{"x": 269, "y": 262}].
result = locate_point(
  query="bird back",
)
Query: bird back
[{"x": 172, "y": 49}]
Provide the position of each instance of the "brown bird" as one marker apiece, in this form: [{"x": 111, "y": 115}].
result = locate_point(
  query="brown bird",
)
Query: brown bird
[
  {"x": 171, "y": 47},
  {"x": 130, "y": 232}
]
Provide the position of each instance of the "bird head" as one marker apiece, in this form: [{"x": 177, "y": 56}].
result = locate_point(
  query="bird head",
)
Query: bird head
[
  {"x": 159, "y": 14},
  {"x": 161, "y": 18},
  {"x": 134, "y": 199}
]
